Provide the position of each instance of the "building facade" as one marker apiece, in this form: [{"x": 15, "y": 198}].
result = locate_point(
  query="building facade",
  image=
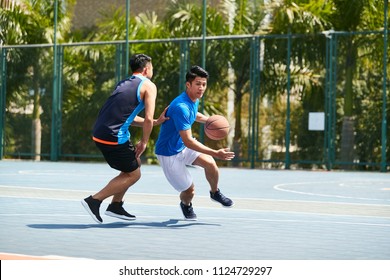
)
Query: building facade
[{"x": 87, "y": 12}]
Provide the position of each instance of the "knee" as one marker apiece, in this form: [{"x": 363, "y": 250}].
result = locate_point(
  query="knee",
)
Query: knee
[
  {"x": 192, "y": 190},
  {"x": 134, "y": 175},
  {"x": 137, "y": 174},
  {"x": 210, "y": 163}
]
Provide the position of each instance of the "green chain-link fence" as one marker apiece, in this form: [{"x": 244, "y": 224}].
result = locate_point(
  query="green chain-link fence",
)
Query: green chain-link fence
[{"x": 294, "y": 101}]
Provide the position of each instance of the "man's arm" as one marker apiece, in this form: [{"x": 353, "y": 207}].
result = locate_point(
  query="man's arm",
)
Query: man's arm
[
  {"x": 200, "y": 118},
  {"x": 149, "y": 91},
  {"x": 192, "y": 143},
  {"x": 139, "y": 121}
]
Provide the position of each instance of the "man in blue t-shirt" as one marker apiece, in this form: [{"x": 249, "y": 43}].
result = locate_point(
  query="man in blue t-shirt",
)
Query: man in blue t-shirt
[{"x": 176, "y": 147}]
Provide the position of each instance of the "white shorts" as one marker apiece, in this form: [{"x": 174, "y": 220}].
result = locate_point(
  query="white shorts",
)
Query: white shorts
[{"x": 175, "y": 168}]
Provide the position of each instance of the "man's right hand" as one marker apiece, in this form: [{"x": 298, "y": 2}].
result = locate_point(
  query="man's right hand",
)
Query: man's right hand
[{"x": 225, "y": 154}]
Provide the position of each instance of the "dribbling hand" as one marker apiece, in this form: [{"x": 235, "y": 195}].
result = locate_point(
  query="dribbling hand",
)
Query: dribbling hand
[{"x": 225, "y": 154}]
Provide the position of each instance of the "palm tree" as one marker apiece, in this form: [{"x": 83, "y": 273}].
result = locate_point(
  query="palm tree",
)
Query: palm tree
[
  {"x": 302, "y": 16},
  {"x": 30, "y": 22},
  {"x": 351, "y": 16},
  {"x": 99, "y": 63},
  {"x": 304, "y": 21},
  {"x": 241, "y": 17}
]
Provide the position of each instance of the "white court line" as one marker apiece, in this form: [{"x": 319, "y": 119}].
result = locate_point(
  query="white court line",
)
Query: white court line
[
  {"x": 199, "y": 196},
  {"x": 76, "y": 172},
  {"x": 362, "y": 184},
  {"x": 205, "y": 219},
  {"x": 42, "y": 189},
  {"x": 290, "y": 212},
  {"x": 279, "y": 187},
  {"x": 60, "y": 173},
  {"x": 170, "y": 200},
  {"x": 85, "y": 192}
]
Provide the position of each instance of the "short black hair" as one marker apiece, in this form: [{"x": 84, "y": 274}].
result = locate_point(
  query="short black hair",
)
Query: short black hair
[
  {"x": 139, "y": 61},
  {"x": 196, "y": 71}
]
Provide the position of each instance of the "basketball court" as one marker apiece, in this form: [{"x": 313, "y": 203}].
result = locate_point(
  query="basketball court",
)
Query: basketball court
[{"x": 278, "y": 215}]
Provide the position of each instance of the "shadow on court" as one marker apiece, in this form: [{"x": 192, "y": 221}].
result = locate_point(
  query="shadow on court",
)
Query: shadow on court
[{"x": 172, "y": 223}]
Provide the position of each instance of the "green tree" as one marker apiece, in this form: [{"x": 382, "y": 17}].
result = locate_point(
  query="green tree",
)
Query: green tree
[
  {"x": 242, "y": 17},
  {"x": 184, "y": 20},
  {"x": 102, "y": 66},
  {"x": 351, "y": 16},
  {"x": 31, "y": 22},
  {"x": 304, "y": 21},
  {"x": 304, "y": 16}
]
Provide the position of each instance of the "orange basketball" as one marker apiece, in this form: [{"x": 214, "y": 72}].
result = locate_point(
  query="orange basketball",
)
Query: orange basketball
[{"x": 216, "y": 127}]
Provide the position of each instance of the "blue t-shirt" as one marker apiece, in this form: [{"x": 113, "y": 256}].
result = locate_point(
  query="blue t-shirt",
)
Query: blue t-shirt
[{"x": 182, "y": 114}]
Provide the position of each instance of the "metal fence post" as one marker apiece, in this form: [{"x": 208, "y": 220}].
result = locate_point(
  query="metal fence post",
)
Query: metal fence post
[
  {"x": 118, "y": 62},
  {"x": 3, "y": 91},
  {"x": 288, "y": 121},
  {"x": 184, "y": 59},
  {"x": 384, "y": 105},
  {"x": 328, "y": 101},
  {"x": 127, "y": 39},
  {"x": 54, "y": 121},
  {"x": 330, "y": 89},
  {"x": 204, "y": 22},
  {"x": 60, "y": 95},
  {"x": 253, "y": 106}
]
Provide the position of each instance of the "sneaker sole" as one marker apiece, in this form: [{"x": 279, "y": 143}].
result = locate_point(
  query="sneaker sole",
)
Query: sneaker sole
[
  {"x": 85, "y": 205},
  {"x": 190, "y": 219},
  {"x": 111, "y": 214},
  {"x": 213, "y": 200}
]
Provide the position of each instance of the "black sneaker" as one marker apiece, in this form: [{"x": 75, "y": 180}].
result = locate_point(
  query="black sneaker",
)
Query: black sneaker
[
  {"x": 188, "y": 212},
  {"x": 92, "y": 206},
  {"x": 219, "y": 197},
  {"x": 116, "y": 210}
]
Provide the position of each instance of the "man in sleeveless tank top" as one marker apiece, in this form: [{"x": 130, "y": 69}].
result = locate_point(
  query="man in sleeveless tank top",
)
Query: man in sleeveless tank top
[{"x": 111, "y": 135}]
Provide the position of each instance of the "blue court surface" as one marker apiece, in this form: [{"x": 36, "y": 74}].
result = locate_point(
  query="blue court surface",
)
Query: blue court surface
[{"x": 278, "y": 215}]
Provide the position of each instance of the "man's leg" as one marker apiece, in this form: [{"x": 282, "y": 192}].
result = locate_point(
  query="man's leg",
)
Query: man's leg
[
  {"x": 118, "y": 186},
  {"x": 187, "y": 195},
  {"x": 186, "y": 203},
  {"x": 212, "y": 176},
  {"x": 211, "y": 170}
]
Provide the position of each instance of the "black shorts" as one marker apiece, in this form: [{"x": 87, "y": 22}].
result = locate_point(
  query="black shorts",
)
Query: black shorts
[{"x": 120, "y": 157}]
